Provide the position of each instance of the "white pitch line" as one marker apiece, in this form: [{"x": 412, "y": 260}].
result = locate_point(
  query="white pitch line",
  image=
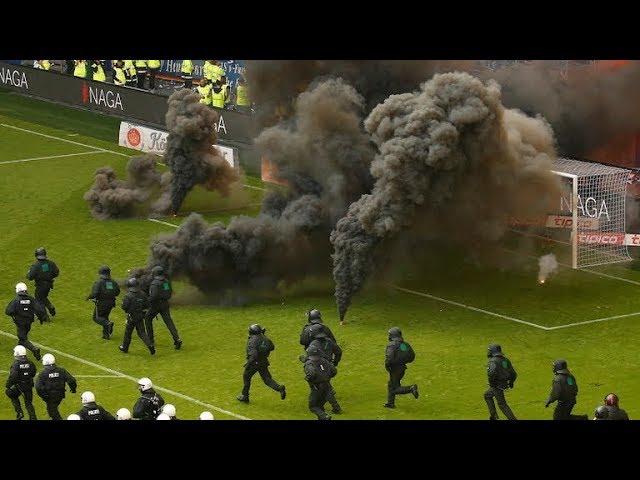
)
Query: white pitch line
[
  {"x": 256, "y": 188},
  {"x": 129, "y": 377},
  {"x": 52, "y": 156},
  {"x": 469, "y": 307},
  {"x": 594, "y": 321},
  {"x": 163, "y": 223}
]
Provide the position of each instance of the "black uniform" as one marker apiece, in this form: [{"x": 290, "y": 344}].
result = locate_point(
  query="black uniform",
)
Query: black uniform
[
  {"x": 305, "y": 335},
  {"x": 148, "y": 406},
  {"x": 330, "y": 350},
  {"x": 20, "y": 382},
  {"x": 318, "y": 372},
  {"x": 104, "y": 292},
  {"x": 564, "y": 390},
  {"x": 22, "y": 309},
  {"x": 396, "y": 367},
  {"x": 135, "y": 304},
  {"x": 51, "y": 388},
  {"x": 258, "y": 349},
  {"x": 43, "y": 272},
  {"x": 93, "y": 411},
  {"x": 159, "y": 295},
  {"x": 616, "y": 413},
  {"x": 501, "y": 376}
]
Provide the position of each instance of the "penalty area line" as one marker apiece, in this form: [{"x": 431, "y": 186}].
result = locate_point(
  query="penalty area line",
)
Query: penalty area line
[
  {"x": 22, "y": 160},
  {"x": 129, "y": 377}
]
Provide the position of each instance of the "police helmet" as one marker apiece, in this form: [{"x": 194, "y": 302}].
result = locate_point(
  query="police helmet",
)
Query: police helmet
[
  {"x": 314, "y": 316},
  {"x": 74, "y": 416},
  {"x": 19, "y": 351},
  {"x": 493, "y": 349},
  {"x": 256, "y": 329},
  {"x": 104, "y": 270},
  {"x": 602, "y": 413},
  {"x": 395, "y": 332},
  {"x": 21, "y": 287},
  {"x": 611, "y": 400},
  {"x": 163, "y": 416},
  {"x": 41, "y": 253},
  {"x": 157, "y": 270},
  {"x": 145, "y": 384},
  {"x": 132, "y": 282},
  {"x": 317, "y": 331},
  {"x": 169, "y": 409},
  {"x": 559, "y": 365},
  {"x": 88, "y": 397},
  {"x": 123, "y": 414},
  {"x": 48, "y": 359},
  {"x": 206, "y": 416}
]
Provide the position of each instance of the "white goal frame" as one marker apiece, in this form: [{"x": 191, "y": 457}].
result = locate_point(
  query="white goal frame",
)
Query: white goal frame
[{"x": 574, "y": 215}]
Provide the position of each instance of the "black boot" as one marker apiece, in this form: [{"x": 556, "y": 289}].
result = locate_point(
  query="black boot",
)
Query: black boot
[
  {"x": 414, "y": 391},
  {"x": 177, "y": 344},
  {"x": 283, "y": 393},
  {"x": 243, "y": 398},
  {"x": 152, "y": 350},
  {"x": 123, "y": 350},
  {"x": 19, "y": 415},
  {"x": 390, "y": 405}
]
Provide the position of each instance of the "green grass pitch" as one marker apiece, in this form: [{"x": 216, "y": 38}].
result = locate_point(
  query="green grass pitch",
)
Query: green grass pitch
[{"x": 465, "y": 309}]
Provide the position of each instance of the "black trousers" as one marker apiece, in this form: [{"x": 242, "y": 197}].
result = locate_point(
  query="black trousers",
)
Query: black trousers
[
  {"x": 23, "y": 327},
  {"x": 138, "y": 325},
  {"x": 263, "y": 370},
  {"x": 393, "y": 387},
  {"x": 318, "y": 397},
  {"x": 27, "y": 393},
  {"x": 101, "y": 317},
  {"x": 152, "y": 77},
  {"x": 53, "y": 403},
  {"x": 188, "y": 80},
  {"x": 42, "y": 296},
  {"x": 162, "y": 309},
  {"x": 498, "y": 394},
  {"x": 142, "y": 75},
  {"x": 331, "y": 398},
  {"x": 563, "y": 412}
]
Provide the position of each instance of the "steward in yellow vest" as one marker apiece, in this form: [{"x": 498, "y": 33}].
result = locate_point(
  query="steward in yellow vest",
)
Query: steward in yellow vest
[
  {"x": 242, "y": 95},
  {"x": 187, "y": 73},
  {"x": 204, "y": 89},
  {"x": 80, "y": 69},
  {"x": 119, "y": 77},
  {"x": 141, "y": 72},
  {"x": 218, "y": 95},
  {"x": 98, "y": 71},
  {"x": 130, "y": 71}
]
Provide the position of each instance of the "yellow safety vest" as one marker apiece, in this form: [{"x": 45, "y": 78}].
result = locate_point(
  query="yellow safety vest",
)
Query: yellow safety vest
[
  {"x": 187, "y": 67},
  {"x": 218, "y": 98},
  {"x": 153, "y": 63},
  {"x": 119, "y": 77},
  {"x": 206, "y": 70},
  {"x": 205, "y": 94},
  {"x": 44, "y": 64},
  {"x": 217, "y": 72},
  {"x": 99, "y": 75},
  {"x": 130, "y": 68},
  {"x": 242, "y": 96},
  {"x": 141, "y": 64},
  {"x": 80, "y": 69}
]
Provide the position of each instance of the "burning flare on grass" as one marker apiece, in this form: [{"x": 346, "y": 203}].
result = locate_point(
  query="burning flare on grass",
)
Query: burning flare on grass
[{"x": 548, "y": 265}]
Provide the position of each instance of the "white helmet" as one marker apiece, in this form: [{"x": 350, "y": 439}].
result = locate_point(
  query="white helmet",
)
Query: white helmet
[
  {"x": 206, "y": 416},
  {"x": 169, "y": 410},
  {"x": 74, "y": 416},
  {"x": 48, "y": 359},
  {"x": 19, "y": 351},
  {"x": 21, "y": 287},
  {"x": 88, "y": 397},
  {"x": 123, "y": 414},
  {"x": 145, "y": 384},
  {"x": 163, "y": 416}
]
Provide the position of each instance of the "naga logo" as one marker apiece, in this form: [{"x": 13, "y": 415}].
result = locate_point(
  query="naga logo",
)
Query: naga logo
[
  {"x": 101, "y": 97},
  {"x": 133, "y": 137},
  {"x": 15, "y": 78}
]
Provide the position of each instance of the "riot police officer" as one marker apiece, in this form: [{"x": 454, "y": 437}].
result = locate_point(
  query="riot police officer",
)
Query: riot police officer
[
  {"x": 43, "y": 272},
  {"x": 135, "y": 304},
  {"x": 170, "y": 411},
  {"x": 20, "y": 382},
  {"x": 501, "y": 375},
  {"x": 611, "y": 402},
  {"x": 22, "y": 309},
  {"x": 259, "y": 347},
  {"x": 398, "y": 354},
  {"x": 332, "y": 352},
  {"x": 159, "y": 294},
  {"x": 318, "y": 372},
  {"x": 91, "y": 410},
  {"x": 564, "y": 390},
  {"x": 104, "y": 293},
  {"x": 313, "y": 318},
  {"x": 150, "y": 403},
  {"x": 51, "y": 383}
]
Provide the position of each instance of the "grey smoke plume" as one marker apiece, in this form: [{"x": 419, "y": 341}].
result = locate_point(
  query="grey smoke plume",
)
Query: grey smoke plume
[
  {"x": 190, "y": 155},
  {"x": 452, "y": 160},
  {"x": 586, "y": 108},
  {"x": 112, "y": 198},
  {"x": 548, "y": 265},
  {"x": 324, "y": 155}
]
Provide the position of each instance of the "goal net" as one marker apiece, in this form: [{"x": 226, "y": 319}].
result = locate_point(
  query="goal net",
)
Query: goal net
[{"x": 588, "y": 227}]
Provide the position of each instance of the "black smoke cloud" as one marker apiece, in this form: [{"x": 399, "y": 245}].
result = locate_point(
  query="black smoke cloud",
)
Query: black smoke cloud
[{"x": 452, "y": 160}]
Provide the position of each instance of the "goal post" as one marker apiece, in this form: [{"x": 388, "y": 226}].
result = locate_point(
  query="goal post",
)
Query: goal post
[{"x": 574, "y": 214}]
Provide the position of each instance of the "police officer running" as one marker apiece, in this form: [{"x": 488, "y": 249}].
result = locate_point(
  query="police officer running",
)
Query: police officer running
[
  {"x": 20, "y": 382},
  {"x": 611, "y": 402},
  {"x": 159, "y": 295},
  {"x": 332, "y": 352},
  {"x": 318, "y": 372},
  {"x": 43, "y": 272},
  {"x": 501, "y": 375},
  {"x": 259, "y": 347},
  {"x": 314, "y": 318},
  {"x": 150, "y": 403},
  {"x": 22, "y": 309},
  {"x": 104, "y": 293},
  {"x": 91, "y": 410},
  {"x": 398, "y": 354},
  {"x": 564, "y": 390},
  {"x": 135, "y": 305},
  {"x": 50, "y": 385}
]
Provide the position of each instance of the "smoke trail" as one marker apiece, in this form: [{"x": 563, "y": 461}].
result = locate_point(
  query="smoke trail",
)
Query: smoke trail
[
  {"x": 324, "y": 156},
  {"x": 452, "y": 159},
  {"x": 112, "y": 198},
  {"x": 548, "y": 265}
]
